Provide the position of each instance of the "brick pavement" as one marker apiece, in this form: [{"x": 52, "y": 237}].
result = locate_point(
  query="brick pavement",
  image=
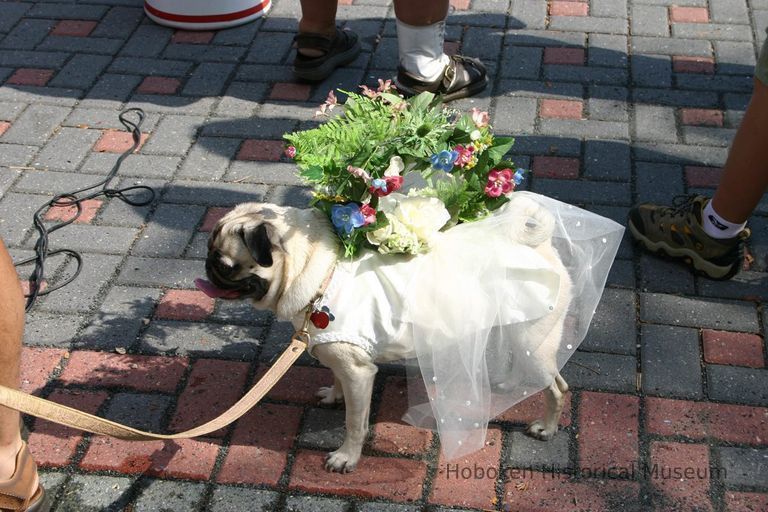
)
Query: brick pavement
[{"x": 611, "y": 102}]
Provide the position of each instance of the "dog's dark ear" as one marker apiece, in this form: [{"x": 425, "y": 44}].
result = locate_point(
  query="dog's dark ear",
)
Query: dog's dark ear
[{"x": 259, "y": 242}]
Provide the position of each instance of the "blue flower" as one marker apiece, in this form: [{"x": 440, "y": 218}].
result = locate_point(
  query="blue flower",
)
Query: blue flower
[
  {"x": 380, "y": 184},
  {"x": 519, "y": 176},
  {"x": 346, "y": 217},
  {"x": 444, "y": 160}
]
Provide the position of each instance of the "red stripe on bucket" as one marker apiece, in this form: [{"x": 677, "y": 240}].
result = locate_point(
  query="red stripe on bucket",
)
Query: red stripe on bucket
[{"x": 206, "y": 18}]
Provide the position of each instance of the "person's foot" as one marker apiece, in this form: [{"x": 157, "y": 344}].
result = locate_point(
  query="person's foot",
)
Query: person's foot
[
  {"x": 23, "y": 490},
  {"x": 462, "y": 77},
  {"x": 677, "y": 232},
  {"x": 318, "y": 55}
]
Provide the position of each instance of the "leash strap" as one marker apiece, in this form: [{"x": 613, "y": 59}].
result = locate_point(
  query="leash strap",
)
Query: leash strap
[{"x": 64, "y": 415}]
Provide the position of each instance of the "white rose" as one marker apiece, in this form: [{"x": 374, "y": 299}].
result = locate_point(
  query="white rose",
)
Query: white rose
[
  {"x": 379, "y": 236},
  {"x": 424, "y": 216}
]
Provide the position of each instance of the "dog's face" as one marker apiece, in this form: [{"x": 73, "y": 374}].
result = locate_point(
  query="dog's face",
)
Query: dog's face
[{"x": 243, "y": 257}]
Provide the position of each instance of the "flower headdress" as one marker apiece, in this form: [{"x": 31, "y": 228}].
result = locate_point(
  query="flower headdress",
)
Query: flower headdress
[{"x": 359, "y": 160}]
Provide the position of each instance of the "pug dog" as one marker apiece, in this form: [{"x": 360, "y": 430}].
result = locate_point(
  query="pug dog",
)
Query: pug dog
[{"x": 281, "y": 258}]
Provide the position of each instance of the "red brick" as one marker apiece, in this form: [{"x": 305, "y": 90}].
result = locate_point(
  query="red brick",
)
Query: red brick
[
  {"x": 37, "y": 364},
  {"x": 560, "y": 8},
  {"x": 89, "y": 209},
  {"x": 689, "y": 64},
  {"x": 702, "y": 177},
  {"x": 734, "y": 348},
  {"x": 117, "y": 141},
  {"x": 260, "y": 444},
  {"x": 686, "y": 467},
  {"x": 608, "y": 430},
  {"x": 555, "y": 167},
  {"x": 4, "y": 125},
  {"x": 299, "y": 384},
  {"x": 264, "y": 150},
  {"x": 533, "y": 408},
  {"x": 460, "y": 5},
  {"x": 192, "y": 37},
  {"x": 159, "y": 85},
  {"x": 73, "y": 28},
  {"x": 212, "y": 387},
  {"x": 451, "y": 47},
  {"x": 54, "y": 445},
  {"x": 688, "y": 14},
  {"x": 561, "y": 109},
  {"x": 390, "y": 433},
  {"x": 30, "y": 76},
  {"x": 192, "y": 305},
  {"x": 290, "y": 92},
  {"x": 566, "y": 56},
  {"x": 704, "y": 420},
  {"x": 745, "y": 501},
  {"x": 701, "y": 117},
  {"x": 142, "y": 373},
  {"x": 469, "y": 492},
  {"x": 212, "y": 216},
  {"x": 375, "y": 477},
  {"x": 179, "y": 458},
  {"x": 531, "y": 491}
]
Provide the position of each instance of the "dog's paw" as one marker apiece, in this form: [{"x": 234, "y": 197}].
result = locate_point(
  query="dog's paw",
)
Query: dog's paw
[
  {"x": 329, "y": 395},
  {"x": 539, "y": 430},
  {"x": 340, "y": 462}
]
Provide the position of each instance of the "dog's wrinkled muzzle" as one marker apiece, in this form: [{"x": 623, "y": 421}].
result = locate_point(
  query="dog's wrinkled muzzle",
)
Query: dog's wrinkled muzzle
[{"x": 219, "y": 287}]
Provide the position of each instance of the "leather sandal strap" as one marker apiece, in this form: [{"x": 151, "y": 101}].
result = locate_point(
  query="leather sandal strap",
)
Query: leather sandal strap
[
  {"x": 17, "y": 492},
  {"x": 312, "y": 41}
]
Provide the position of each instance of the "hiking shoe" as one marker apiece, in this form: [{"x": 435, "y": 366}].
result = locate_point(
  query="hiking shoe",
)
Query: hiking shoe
[
  {"x": 677, "y": 232},
  {"x": 342, "y": 48},
  {"x": 462, "y": 77}
]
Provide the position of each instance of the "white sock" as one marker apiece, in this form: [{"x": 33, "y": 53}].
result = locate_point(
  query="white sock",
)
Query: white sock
[
  {"x": 421, "y": 49},
  {"x": 716, "y": 226}
]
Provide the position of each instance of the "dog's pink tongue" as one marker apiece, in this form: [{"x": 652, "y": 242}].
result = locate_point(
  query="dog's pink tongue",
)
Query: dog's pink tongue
[{"x": 213, "y": 291}]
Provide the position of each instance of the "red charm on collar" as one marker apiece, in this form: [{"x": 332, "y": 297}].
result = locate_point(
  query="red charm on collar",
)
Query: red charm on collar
[{"x": 320, "y": 318}]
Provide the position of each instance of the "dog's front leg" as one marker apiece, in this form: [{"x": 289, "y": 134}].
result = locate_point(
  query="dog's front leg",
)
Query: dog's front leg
[
  {"x": 544, "y": 429},
  {"x": 354, "y": 370}
]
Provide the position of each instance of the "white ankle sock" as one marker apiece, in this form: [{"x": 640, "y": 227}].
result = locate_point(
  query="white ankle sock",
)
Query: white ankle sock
[
  {"x": 716, "y": 226},
  {"x": 420, "y": 49}
]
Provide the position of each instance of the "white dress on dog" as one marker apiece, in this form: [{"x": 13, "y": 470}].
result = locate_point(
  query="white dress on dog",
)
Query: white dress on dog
[{"x": 473, "y": 313}]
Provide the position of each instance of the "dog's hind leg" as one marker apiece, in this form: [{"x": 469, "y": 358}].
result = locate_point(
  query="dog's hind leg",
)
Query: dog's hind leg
[
  {"x": 545, "y": 428},
  {"x": 332, "y": 394},
  {"x": 354, "y": 370}
]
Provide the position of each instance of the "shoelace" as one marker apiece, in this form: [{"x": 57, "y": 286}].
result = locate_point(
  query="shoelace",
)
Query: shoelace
[{"x": 681, "y": 205}]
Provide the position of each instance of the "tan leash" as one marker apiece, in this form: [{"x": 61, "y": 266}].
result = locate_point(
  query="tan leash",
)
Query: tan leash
[{"x": 70, "y": 417}]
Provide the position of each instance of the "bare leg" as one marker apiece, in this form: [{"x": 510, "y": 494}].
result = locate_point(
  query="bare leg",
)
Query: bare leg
[
  {"x": 745, "y": 177},
  {"x": 11, "y": 331},
  {"x": 318, "y": 17},
  {"x": 420, "y": 13}
]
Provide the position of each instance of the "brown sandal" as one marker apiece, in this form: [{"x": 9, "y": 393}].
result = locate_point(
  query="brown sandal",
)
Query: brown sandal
[
  {"x": 342, "y": 48},
  {"x": 22, "y": 492},
  {"x": 462, "y": 77}
]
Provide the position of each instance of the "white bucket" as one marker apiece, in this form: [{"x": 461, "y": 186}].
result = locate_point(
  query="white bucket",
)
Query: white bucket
[{"x": 205, "y": 14}]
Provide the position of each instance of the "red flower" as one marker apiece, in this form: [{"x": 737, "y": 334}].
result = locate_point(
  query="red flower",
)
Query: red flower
[
  {"x": 369, "y": 214},
  {"x": 384, "y": 186},
  {"x": 499, "y": 182}
]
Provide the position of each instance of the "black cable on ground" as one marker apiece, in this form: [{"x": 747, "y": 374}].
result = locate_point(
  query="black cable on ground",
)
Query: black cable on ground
[{"x": 75, "y": 198}]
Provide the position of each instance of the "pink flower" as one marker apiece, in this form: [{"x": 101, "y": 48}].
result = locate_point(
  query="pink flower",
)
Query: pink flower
[
  {"x": 384, "y": 86},
  {"x": 330, "y": 102},
  {"x": 367, "y": 91},
  {"x": 384, "y": 186},
  {"x": 369, "y": 214},
  {"x": 359, "y": 173},
  {"x": 499, "y": 182},
  {"x": 290, "y": 152},
  {"x": 480, "y": 119},
  {"x": 465, "y": 154}
]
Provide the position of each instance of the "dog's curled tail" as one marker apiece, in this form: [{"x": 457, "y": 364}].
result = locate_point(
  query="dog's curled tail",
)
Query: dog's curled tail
[{"x": 533, "y": 224}]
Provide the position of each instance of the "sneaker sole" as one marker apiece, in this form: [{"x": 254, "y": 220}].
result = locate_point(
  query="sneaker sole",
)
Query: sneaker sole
[
  {"x": 329, "y": 66},
  {"x": 705, "y": 267}
]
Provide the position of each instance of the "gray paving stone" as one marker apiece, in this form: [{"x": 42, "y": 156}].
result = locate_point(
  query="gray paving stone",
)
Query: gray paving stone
[
  {"x": 81, "y": 45},
  {"x": 652, "y": 71},
  {"x": 670, "y": 46},
  {"x": 544, "y": 145},
  {"x": 540, "y": 89},
  {"x": 16, "y": 211},
  {"x": 241, "y": 99},
  {"x": 680, "y": 154},
  {"x": 649, "y": 20},
  {"x": 46, "y": 183},
  {"x": 530, "y": 14},
  {"x": 723, "y": 83},
  {"x": 521, "y": 62},
  {"x": 698, "y": 312},
  {"x": 145, "y": 166},
  {"x": 172, "y": 105},
  {"x": 52, "y": 482},
  {"x": 585, "y": 74},
  {"x": 661, "y": 275},
  {"x": 16, "y": 155},
  {"x": 150, "y": 66},
  {"x": 276, "y": 340},
  {"x": 238, "y": 36},
  {"x": 240, "y": 312},
  {"x": 96, "y": 239},
  {"x": 112, "y": 89},
  {"x": 744, "y": 286},
  {"x": 169, "y": 231},
  {"x": 735, "y": 58},
  {"x": 614, "y": 328},
  {"x": 209, "y": 158},
  {"x": 208, "y": 79},
  {"x": 711, "y": 31},
  {"x": 609, "y": 8},
  {"x": 81, "y": 71},
  {"x": 201, "y": 339},
  {"x": 737, "y": 384},
  {"x": 273, "y": 173},
  {"x": 24, "y": 58},
  {"x": 27, "y": 34},
  {"x": 523, "y": 451},
  {"x": 386, "y": 507},
  {"x": 10, "y": 110},
  {"x": 515, "y": 115},
  {"x": 483, "y": 43},
  {"x": 585, "y": 129},
  {"x": 270, "y": 48},
  {"x": 102, "y": 118},
  {"x": 50, "y": 329},
  {"x": 608, "y": 103},
  {"x": 95, "y": 493},
  {"x": 591, "y": 24},
  {"x": 707, "y": 136},
  {"x": 35, "y": 125},
  {"x": 607, "y": 50},
  {"x": 7, "y": 177},
  {"x": 67, "y": 149},
  {"x": 203, "y": 53},
  {"x": 119, "y": 22},
  {"x": 605, "y": 372},
  {"x": 138, "y": 410},
  {"x": 147, "y": 41},
  {"x": 236, "y": 499},
  {"x": 213, "y": 194},
  {"x": 198, "y": 247},
  {"x": 96, "y": 272},
  {"x": 120, "y": 213},
  {"x": 744, "y": 467},
  {"x": 109, "y": 332},
  {"x": 655, "y": 123},
  {"x": 246, "y": 128},
  {"x": 61, "y": 11},
  {"x": 323, "y": 429},
  {"x": 564, "y": 38},
  {"x": 172, "y": 273},
  {"x": 607, "y": 160},
  {"x": 581, "y": 192},
  {"x": 11, "y": 14},
  {"x": 298, "y": 197},
  {"x": 173, "y": 135},
  {"x": 671, "y": 361},
  {"x": 622, "y": 274},
  {"x": 162, "y": 496},
  {"x": 315, "y": 504}
]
